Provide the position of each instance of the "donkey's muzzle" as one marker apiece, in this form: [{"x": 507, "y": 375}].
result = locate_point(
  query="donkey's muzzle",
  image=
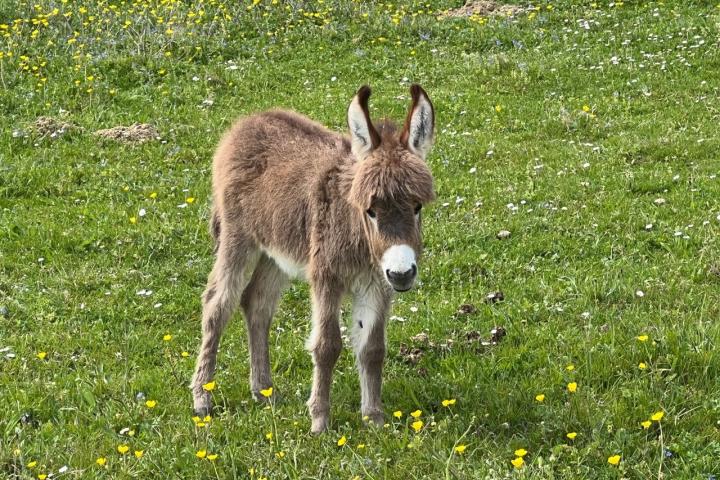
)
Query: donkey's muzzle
[{"x": 402, "y": 281}]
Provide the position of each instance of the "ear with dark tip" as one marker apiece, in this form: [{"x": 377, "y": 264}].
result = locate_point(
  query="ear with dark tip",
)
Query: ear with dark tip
[
  {"x": 362, "y": 132},
  {"x": 419, "y": 130}
]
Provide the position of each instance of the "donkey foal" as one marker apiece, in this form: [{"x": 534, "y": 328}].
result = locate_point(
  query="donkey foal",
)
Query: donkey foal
[{"x": 291, "y": 199}]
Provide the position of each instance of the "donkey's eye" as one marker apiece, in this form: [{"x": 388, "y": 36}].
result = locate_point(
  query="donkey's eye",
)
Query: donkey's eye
[
  {"x": 418, "y": 207},
  {"x": 371, "y": 213}
]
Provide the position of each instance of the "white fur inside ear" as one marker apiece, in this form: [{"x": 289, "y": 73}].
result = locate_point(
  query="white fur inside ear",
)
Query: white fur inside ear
[
  {"x": 420, "y": 139},
  {"x": 359, "y": 130}
]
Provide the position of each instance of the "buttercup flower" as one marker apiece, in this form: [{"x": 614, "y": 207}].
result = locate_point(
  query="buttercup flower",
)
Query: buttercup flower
[
  {"x": 397, "y": 414},
  {"x": 417, "y": 425},
  {"x": 209, "y": 387},
  {"x": 572, "y": 387},
  {"x": 518, "y": 462},
  {"x": 341, "y": 441},
  {"x": 267, "y": 393},
  {"x": 460, "y": 449},
  {"x": 571, "y": 435},
  {"x": 540, "y": 397},
  {"x": 447, "y": 403},
  {"x": 657, "y": 416},
  {"x": 614, "y": 460}
]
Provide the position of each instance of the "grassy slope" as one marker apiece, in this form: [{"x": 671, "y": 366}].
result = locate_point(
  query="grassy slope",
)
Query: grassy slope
[{"x": 584, "y": 187}]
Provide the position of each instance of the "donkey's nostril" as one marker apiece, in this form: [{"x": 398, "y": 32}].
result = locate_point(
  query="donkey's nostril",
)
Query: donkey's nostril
[{"x": 401, "y": 277}]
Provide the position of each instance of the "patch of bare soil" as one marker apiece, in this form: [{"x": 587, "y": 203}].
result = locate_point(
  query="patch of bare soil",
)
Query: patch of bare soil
[
  {"x": 135, "y": 133},
  {"x": 52, "y": 127},
  {"x": 485, "y": 8}
]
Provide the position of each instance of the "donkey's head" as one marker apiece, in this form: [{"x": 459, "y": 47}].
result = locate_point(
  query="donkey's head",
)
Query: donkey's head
[{"x": 391, "y": 183}]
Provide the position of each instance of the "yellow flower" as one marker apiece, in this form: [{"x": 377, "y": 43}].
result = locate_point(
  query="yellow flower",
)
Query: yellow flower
[
  {"x": 397, "y": 414},
  {"x": 447, "y": 403},
  {"x": 190, "y": 199},
  {"x": 167, "y": 337},
  {"x": 153, "y": 195},
  {"x": 123, "y": 449},
  {"x": 586, "y": 108},
  {"x": 195, "y": 419},
  {"x": 642, "y": 338},
  {"x": 540, "y": 397},
  {"x": 460, "y": 449},
  {"x": 518, "y": 462},
  {"x": 572, "y": 387},
  {"x": 361, "y": 446},
  {"x": 185, "y": 354},
  {"x": 520, "y": 452},
  {"x": 571, "y": 435},
  {"x": 417, "y": 425},
  {"x": 269, "y": 435},
  {"x": 416, "y": 413},
  {"x": 41, "y": 355},
  {"x": 42, "y": 476},
  {"x": 642, "y": 366},
  {"x": 657, "y": 416},
  {"x": 267, "y": 393},
  {"x": 614, "y": 460},
  {"x": 151, "y": 403},
  {"x": 139, "y": 453},
  {"x": 209, "y": 387},
  {"x": 646, "y": 424},
  {"x": 570, "y": 367},
  {"x": 101, "y": 461},
  {"x": 213, "y": 456},
  {"x": 342, "y": 441},
  {"x": 207, "y": 418},
  {"x": 498, "y": 108},
  {"x": 133, "y": 220},
  {"x": 201, "y": 453},
  {"x": 32, "y": 464}
]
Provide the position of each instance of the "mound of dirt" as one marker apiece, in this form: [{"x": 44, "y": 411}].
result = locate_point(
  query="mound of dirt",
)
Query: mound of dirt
[
  {"x": 484, "y": 8},
  {"x": 51, "y": 127},
  {"x": 135, "y": 133}
]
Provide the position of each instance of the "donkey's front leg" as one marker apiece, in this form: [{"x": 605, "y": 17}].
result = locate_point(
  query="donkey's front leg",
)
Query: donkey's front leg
[
  {"x": 325, "y": 345},
  {"x": 370, "y": 307}
]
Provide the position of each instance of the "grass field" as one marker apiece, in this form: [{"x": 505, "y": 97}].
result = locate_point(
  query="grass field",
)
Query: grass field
[{"x": 589, "y": 131}]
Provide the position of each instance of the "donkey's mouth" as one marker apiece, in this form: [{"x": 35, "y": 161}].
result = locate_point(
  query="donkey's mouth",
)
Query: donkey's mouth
[{"x": 401, "y": 290}]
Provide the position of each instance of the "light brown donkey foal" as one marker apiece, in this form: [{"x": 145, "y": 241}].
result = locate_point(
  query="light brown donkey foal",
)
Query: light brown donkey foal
[{"x": 293, "y": 199}]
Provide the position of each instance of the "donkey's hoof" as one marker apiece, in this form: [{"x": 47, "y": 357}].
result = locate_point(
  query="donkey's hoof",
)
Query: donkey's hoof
[
  {"x": 376, "y": 419},
  {"x": 202, "y": 405},
  {"x": 268, "y": 395},
  {"x": 320, "y": 424}
]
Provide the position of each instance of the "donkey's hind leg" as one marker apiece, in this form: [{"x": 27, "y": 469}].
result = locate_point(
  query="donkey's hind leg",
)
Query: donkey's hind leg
[
  {"x": 219, "y": 300},
  {"x": 259, "y": 301}
]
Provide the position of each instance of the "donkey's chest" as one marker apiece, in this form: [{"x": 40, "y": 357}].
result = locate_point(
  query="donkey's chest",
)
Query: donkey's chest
[{"x": 288, "y": 265}]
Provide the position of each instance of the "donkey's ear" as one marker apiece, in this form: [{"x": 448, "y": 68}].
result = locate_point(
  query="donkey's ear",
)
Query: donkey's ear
[
  {"x": 419, "y": 130},
  {"x": 362, "y": 132}
]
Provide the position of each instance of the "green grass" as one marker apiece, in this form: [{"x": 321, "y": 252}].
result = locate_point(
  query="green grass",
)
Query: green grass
[{"x": 509, "y": 96}]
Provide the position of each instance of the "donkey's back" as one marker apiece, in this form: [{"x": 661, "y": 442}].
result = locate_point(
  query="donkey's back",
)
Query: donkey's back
[{"x": 266, "y": 171}]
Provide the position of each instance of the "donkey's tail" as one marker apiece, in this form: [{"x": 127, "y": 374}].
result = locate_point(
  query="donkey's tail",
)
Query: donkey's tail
[{"x": 215, "y": 228}]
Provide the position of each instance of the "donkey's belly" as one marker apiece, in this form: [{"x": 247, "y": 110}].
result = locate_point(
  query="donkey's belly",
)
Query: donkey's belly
[{"x": 292, "y": 268}]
